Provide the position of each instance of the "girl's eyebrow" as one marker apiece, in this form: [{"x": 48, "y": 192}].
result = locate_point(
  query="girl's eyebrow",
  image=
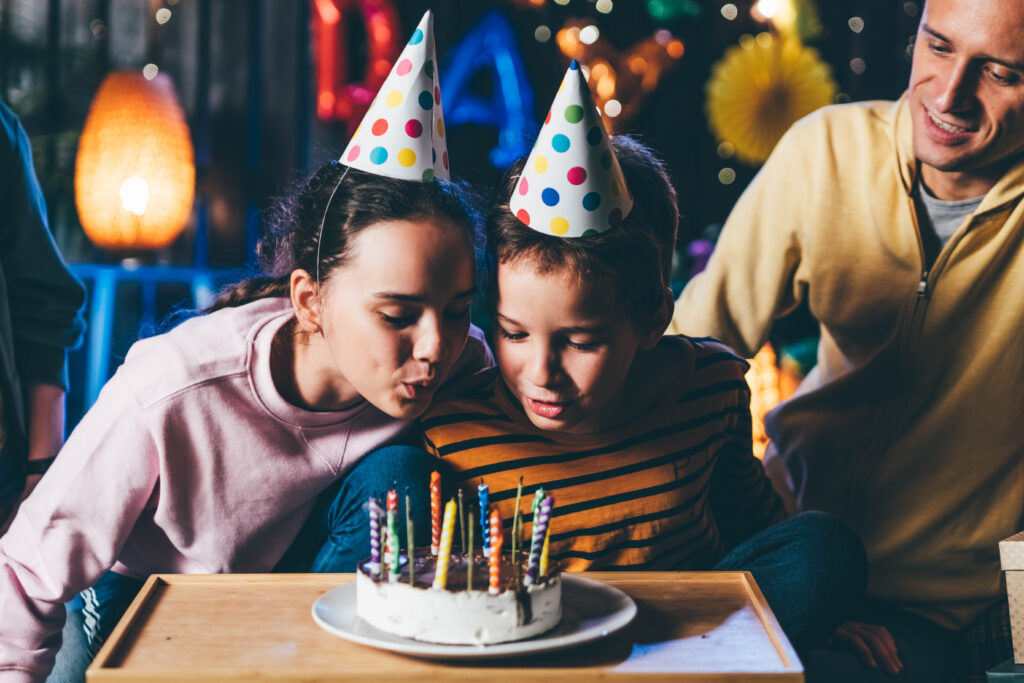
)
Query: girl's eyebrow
[{"x": 416, "y": 298}]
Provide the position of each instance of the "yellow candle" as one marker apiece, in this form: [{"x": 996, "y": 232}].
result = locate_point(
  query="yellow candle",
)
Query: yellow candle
[
  {"x": 544, "y": 554},
  {"x": 445, "y": 551}
]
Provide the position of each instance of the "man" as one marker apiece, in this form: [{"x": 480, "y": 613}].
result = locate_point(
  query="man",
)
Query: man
[
  {"x": 902, "y": 226},
  {"x": 39, "y": 319}
]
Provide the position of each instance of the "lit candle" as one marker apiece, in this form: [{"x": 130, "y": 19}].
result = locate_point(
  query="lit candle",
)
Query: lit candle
[
  {"x": 445, "y": 551},
  {"x": 376, "y": 514},
  {"x": 496, "y": 543},
  {"x": 435, "y": 511},
  {"x": 482, "y": 493},
  {"x": 392, "y": 544},
  {"x": 540, "y": 528},
  {"x": 410, "y": 552}
]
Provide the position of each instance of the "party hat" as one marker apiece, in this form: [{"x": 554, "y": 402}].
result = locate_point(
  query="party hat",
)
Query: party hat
[
  {"x": 402, "y": 134},
  {"x": 572, "y": 185}
]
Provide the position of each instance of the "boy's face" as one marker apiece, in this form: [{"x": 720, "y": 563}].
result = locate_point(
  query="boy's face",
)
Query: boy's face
[{"x": 564, "y": 347}]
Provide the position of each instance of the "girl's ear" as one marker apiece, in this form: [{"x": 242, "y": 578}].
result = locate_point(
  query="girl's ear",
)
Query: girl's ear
[
  {"x": 659, "y": 321},
  {"x": 305, "y": 297}
]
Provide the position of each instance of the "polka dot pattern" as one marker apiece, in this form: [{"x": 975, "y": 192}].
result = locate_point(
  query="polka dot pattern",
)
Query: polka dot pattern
[
  {"x": 402, "y": 134},
  {"x": 571, "y": 185}
]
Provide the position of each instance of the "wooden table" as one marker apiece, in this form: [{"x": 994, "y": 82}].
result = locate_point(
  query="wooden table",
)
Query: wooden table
[{"x": 691, "y": 626}]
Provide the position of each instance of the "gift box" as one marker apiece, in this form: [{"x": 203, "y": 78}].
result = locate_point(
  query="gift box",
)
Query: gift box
[{"x": 1011, "y": 557}]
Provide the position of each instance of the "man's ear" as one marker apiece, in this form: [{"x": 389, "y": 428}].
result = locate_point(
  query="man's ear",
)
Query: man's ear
[
  {"x": 659, "y": 321},
  {"x": 305, "y": 297}
]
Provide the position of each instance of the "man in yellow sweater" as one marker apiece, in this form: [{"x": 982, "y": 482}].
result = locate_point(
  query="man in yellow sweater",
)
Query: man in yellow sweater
[{"x": 902, "y": 227}]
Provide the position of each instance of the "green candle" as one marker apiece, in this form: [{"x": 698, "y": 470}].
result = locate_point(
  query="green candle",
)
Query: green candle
[
  {"x": 410, "y": 553},
  {"x": 462, "y": 521},
  {"x": 516, "y": 530},
  {"x": 469, "y": 553}
]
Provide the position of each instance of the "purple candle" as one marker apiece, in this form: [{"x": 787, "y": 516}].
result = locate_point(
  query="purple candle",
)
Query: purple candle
[
  {"x": 540, "y": 527},
  {"x": 483, "y": 493},
  {"x": 376, "y": 514}
]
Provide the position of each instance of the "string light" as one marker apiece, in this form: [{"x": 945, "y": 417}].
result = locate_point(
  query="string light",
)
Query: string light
[
  {"x": 542, "y": 34},
  {"x": 726, "y": 150},
  {"x": 856, "y": 24},
  {"x": 603, "y": 6},
  {"x": 163, "y": 15},
  {"x": 857, "y": 65},
  {"x": 613, "y": 108},
  {"x": 729, "y": 11},
  {"x": 589, "y": 35},
  {"x": 767, "y": 8},
  {"x": 727, "y": 176},
  {"x": 150, "y": 71}
]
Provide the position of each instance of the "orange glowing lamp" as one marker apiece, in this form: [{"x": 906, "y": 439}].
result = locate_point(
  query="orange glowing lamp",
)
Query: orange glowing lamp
[{"x": 134, "y": 174}]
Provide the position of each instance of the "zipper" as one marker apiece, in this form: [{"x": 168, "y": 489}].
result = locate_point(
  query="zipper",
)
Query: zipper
[{"x": 856, "y": 498}]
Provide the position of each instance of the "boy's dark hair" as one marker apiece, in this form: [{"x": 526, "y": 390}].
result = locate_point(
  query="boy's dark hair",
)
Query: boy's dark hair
[
  {"x": 292, "y": 224},
  {"x": 635, "y": 255}
]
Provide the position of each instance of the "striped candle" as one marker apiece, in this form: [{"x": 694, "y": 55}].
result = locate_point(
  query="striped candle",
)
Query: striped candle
[
  {"x": 496, "y": 543},
  {"x": 538, "y": 497},
  {"x": 445, "y": 550},
  {"x": 540, "y": 528},
  {"x": 483, "y": 493},
  {"x": 435, "y": 512},
  {"x": 376, "y": 514}
]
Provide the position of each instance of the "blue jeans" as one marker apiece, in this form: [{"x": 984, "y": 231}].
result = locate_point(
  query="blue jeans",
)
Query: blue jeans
[
  {"x": 811, "y": 569},
  {"x": 334, "y": 539}
]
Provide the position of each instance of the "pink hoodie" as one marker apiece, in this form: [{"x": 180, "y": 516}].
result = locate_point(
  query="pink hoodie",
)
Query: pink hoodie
[{"x": 189, "y": 462}]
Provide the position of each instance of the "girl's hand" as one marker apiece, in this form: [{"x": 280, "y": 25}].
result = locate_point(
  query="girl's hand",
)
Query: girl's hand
[{"x": 872, "y": 643}]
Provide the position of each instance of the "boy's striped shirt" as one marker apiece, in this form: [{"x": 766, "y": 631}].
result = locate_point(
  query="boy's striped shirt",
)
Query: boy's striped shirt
[{"x": 673, "y": 489}]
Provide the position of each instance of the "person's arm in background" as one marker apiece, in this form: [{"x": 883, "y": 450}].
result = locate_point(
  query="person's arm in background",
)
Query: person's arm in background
[
  {"x": 753, "y": 275},
  {"x": 43, "y": 298}
]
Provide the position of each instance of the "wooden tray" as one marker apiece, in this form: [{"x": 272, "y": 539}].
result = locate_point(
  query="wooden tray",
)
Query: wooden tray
[{"x": 691, "y": 626}]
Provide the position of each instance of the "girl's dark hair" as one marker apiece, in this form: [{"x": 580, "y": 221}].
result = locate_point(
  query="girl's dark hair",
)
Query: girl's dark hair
[
  {"x": 635, "y": 255},
  {"x": 292, "y": 224}
]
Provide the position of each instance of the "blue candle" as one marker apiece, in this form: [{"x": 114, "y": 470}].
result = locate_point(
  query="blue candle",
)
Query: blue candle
[{"x": 483, "y": 493}]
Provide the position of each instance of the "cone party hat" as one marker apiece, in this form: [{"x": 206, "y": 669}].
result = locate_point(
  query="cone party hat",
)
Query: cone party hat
[
  {"x": 402, "y": 134},
  {"x": 572, "y": 185}
]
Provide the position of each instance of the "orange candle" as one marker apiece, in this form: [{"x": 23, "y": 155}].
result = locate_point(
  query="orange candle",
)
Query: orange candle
[
  {"x": 496, "y": 543},
  {"x": 435, "y": 512}
]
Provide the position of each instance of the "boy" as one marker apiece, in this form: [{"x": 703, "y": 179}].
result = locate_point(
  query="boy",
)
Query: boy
[{"x": 644, "y": 440}]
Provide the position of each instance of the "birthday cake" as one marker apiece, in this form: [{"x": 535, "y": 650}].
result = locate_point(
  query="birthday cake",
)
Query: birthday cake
[
  {"x": 481, "y": 595},
  {"x": 456, "y": 615}
]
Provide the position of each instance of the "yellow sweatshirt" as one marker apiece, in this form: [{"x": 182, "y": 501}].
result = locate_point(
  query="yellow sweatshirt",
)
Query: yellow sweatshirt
[{"x": 911, "y": 426}]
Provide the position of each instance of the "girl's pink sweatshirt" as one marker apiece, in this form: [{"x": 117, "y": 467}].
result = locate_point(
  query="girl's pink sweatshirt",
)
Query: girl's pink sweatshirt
[{"x": 189, "y": 462}]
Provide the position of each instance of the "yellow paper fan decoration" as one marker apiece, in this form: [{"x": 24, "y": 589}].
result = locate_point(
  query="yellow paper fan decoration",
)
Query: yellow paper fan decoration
[{"x": 760, "y": 88}]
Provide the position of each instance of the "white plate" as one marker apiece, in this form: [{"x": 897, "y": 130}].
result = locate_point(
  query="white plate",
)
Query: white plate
[{"x": 590, "y": 610}]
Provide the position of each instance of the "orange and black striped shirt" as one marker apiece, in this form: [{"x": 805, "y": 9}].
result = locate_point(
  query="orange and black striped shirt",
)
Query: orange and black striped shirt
[{"x": 674, "y": 489}]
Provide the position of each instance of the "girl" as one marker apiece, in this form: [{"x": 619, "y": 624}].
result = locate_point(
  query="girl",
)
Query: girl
[{"x": 208, "y": 449}]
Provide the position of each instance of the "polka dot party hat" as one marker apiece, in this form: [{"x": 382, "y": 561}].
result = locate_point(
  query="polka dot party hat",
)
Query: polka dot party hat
[
  {"x": 572, "y": 185},
  {"x": 402, "y": 134}
]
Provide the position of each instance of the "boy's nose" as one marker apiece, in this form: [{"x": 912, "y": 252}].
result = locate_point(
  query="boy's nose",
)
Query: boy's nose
[{"x": 544, "y": 368}]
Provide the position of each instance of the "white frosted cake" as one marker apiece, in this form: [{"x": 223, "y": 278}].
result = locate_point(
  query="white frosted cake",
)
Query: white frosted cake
[{"x": 454, "y": 615}]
